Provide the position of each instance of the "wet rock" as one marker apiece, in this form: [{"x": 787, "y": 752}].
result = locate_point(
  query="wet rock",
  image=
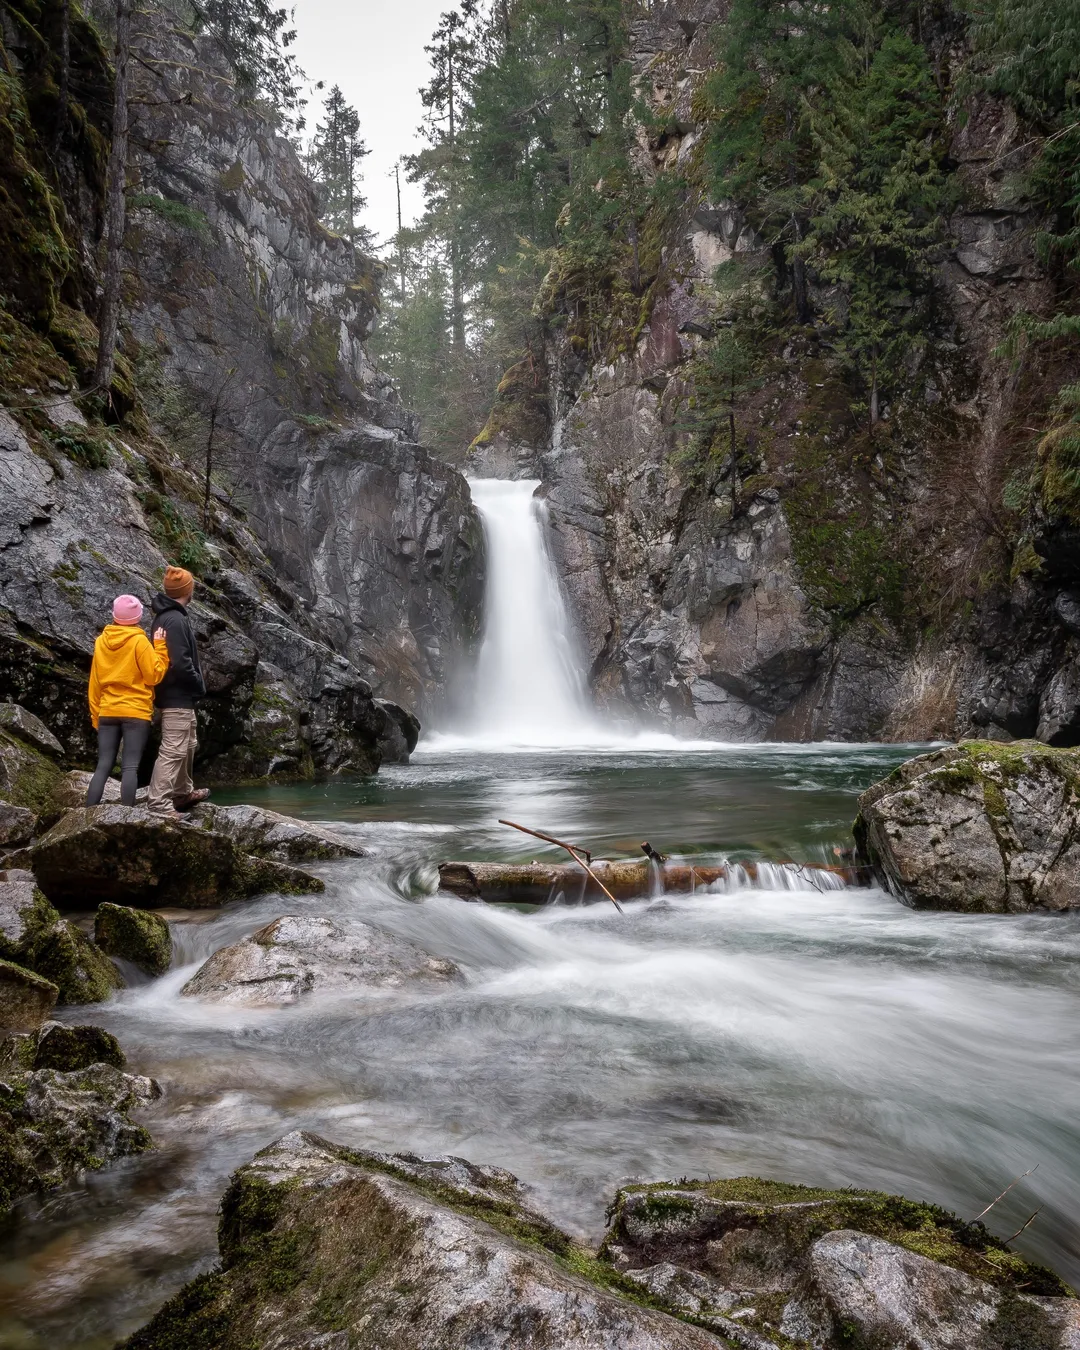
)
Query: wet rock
[
  {"x": 27, "y": 776},
  {"x": 298, "y": 954},
  {"x": 400, "y": 733},
  {"x": 981, "y": 827},
  {"x": 18, "y": 722},
  {"x": 267, "y": 834},
  {"x": 26, "y": 999},
  {"x": 17, "y": 824},
  {"x": 33, "y": 935},
  {"x": 70, "y": 1048},
  {"x": 128, "y": 855},
  {"x": 69, "y": 793},
  {"x": 392, "y": 1250},
  {"x": 767, "y": 1263},
  {"x": 54, "y": 1125},
  {"x": 136, "y": 935}
]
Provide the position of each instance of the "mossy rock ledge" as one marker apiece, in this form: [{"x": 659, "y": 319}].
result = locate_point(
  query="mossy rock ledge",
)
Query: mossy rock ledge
[
  {"x": 325, "y": 1245},
  {"x": 979, "y": 827},
  {"x": 127, "y": 855}
]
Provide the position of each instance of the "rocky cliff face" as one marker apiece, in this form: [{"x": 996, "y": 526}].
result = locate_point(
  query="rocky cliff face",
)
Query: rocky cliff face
[
  {"x": 337, "y": 561},
  {"x": 832, "y": 588}
]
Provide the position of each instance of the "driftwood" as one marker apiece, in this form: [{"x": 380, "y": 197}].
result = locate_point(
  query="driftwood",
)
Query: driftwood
[{"x": 537, "y": 883}]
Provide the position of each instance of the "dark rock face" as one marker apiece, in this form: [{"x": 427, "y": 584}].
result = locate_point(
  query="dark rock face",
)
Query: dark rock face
[
  {"x": 979, "y": 827},
  {"x": 128, "y": 855},
  {"x": 54, "y": 1125},
  {"x": 135, "y": 935},
  {"x": 296, "y": 955},
  {"x": 26, "y": 727},
  {"x": 436, "y": 1254},
  {"x": 372, "y": 540}
]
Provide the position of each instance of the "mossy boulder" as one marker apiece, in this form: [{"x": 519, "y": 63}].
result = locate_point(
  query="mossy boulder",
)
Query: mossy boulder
[
  {"x": 70, "y": 1048},
  {"x": 136, "y": 935},
  {"x": 28, "y": 776},
  {"x": 978, "y": 827},
  {"x": 33, "y": 935},
  {"x": 54, "y": 1125},
  {"x": 26, "y": 999},
  {"x": 322, "y": 1245},
  {"x": 130, "y": 856},
  {"x": 800, "y": 1265}
]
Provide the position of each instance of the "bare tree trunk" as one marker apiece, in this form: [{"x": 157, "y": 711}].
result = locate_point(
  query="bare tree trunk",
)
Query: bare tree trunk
[
  {"x": 209, "y": 468},
  {"x": 115, "y": 212},
  {"x": 457, "y": 290},
  {"x": 65, "y": 78},
  {"x": 400, "y": 241},
  {"x": 875, "y": 397},
  {"x": 635, "y": 259}
]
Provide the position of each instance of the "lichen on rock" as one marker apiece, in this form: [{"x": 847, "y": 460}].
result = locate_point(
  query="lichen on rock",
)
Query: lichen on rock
[
  {"x": 136, "y": 935},
  {"x": 978, "y": 827}
]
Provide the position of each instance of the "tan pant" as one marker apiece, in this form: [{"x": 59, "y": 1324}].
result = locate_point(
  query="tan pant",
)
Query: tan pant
[{"x": 171, "y": 779}]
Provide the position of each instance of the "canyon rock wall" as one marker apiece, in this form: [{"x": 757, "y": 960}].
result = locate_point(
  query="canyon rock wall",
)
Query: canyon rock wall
[
  {"x": 838, "y": 586},
  {"x": 339, "y": 565}
]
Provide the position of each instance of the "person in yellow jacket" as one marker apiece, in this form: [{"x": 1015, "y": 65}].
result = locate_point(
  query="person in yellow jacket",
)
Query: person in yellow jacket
[{"x": 122, "y": 678}]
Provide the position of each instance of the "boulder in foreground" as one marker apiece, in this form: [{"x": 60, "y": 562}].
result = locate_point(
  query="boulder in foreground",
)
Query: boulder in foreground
[
  {"x": 26, "y": 999},
  {"x": 128, "y": 855},
  {"x": 322, "y": 1246},
  {"x": 770, "y": 1264},
  {"x": 979, "y": 827},
  {"x": 298, "y": 954}
]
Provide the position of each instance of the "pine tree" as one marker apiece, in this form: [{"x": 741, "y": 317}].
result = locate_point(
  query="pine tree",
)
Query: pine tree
[
  {"x": 336, "y": 154},
  {"x": 876, "y": 206},
  {"x": 255, "y": 38}
]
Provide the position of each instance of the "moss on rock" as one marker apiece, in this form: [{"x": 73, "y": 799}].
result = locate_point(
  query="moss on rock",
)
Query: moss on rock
[
  {"x": 134, "y": 935},
  {"x": 71, "y": 1048}
]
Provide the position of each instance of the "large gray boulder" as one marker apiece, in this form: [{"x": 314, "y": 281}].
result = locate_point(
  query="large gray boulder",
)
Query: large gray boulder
[
  {"x": 17, "y": 825},
  {"x": 978, "y": 827},
  {"x": 268, "y": 834},
  {"x": 22, "y": 724},
  {"x": 770, "y": 1264},
  {"x": 34, "y": 936},
  {"x": 128, "y": 855},
  {"x": 325, "y": 1247},
  {"x": 298, "y": 954}
]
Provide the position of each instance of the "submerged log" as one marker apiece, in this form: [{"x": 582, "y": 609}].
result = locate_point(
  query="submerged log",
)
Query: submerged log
[{"x": 627, "y": 879}]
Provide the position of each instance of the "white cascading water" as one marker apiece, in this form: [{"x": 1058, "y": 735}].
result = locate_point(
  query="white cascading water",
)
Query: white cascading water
[{"x": 529, "y": 687}]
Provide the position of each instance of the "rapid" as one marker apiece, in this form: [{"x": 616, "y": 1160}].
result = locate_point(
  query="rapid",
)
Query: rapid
[{"x": 826, "y": 1036}]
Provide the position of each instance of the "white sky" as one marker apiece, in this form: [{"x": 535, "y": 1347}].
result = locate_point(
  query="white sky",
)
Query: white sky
[{"x": 373, "y": 49}]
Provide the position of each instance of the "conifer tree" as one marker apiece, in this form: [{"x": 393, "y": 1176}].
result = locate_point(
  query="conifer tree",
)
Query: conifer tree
[
  {"x": 255, "y": 37},
  {"x": 337, "y": 152}
]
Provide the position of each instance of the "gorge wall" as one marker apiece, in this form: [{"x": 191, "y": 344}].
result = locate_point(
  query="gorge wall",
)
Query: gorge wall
[
  {"x": 340, "y": 565},
  {"x": 823, "y": 582}
]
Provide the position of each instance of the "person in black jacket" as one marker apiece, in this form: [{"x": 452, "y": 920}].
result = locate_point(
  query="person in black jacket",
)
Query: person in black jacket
[{"x": 171, "y": 786}]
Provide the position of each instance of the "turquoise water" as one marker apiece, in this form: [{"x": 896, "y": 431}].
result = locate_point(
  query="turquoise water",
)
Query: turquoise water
[{"x": 829, "y": 1038}]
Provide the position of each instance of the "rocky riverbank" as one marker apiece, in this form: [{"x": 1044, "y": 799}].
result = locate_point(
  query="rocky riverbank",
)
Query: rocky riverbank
[{"x": 333, "y": 1247}]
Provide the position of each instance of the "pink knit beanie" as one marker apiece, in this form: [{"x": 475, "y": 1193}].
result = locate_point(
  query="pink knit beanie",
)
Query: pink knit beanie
[{"x": 126, "y": 609}]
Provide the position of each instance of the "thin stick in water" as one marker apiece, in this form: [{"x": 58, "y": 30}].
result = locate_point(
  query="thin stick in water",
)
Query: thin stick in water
[
  {"x": 1005, "y": 1192},
  {"x": 575, "y": 853}
]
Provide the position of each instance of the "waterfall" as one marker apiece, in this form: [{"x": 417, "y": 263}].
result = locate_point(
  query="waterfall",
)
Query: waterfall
[{"x": 529, "y": 688}]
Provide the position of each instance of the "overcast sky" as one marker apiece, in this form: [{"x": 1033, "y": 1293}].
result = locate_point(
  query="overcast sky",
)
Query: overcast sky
[{"x": 374, "y": 49}]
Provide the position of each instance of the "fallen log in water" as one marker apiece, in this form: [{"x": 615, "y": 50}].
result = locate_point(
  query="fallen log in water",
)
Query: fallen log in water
[{"x": 627, "y": 879}]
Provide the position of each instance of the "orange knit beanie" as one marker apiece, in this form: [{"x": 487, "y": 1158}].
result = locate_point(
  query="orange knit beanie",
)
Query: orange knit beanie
[{"x": 179, "y": 583}]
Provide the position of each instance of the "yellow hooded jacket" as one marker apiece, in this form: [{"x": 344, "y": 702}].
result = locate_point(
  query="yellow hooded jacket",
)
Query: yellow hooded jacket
[{"x": 125, "y": 670}]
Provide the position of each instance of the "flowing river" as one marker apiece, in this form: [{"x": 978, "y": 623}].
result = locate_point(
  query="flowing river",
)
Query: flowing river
[
  {"x": 830, "y": 1037},
  {"x": 826, "y": 1036}
]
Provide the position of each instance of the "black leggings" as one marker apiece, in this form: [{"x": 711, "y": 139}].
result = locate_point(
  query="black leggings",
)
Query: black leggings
[{"x": 135, "y": 733}]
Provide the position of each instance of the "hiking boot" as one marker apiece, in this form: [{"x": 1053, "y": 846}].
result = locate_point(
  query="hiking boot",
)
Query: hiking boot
[{"x": 192, "y": 799}]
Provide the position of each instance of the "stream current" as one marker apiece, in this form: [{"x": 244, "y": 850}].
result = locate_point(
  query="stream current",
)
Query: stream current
[{"x": 829, "y": 1037}]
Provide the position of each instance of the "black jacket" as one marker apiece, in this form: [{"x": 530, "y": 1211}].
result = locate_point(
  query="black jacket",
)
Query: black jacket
[{"x": 183, "y": 683}]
